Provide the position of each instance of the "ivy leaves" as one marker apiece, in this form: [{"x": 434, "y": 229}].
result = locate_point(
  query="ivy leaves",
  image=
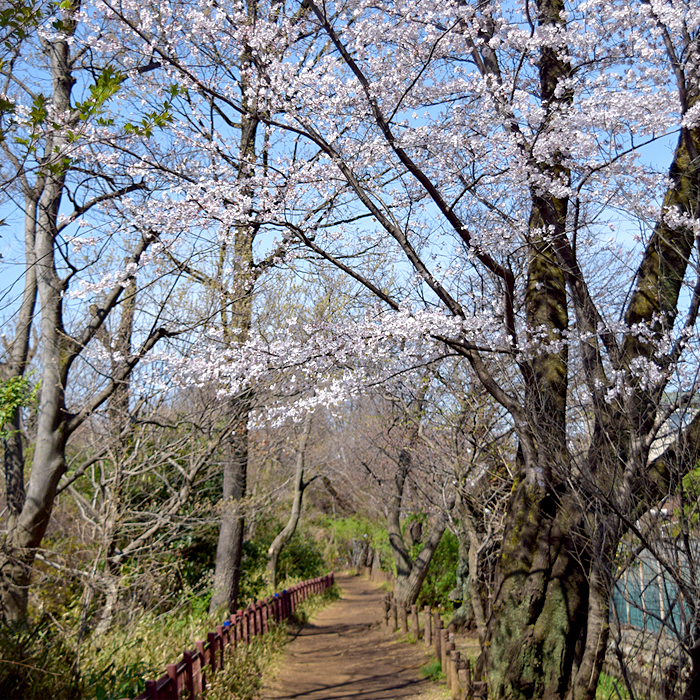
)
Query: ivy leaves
[{"x": 15, "y": 393}]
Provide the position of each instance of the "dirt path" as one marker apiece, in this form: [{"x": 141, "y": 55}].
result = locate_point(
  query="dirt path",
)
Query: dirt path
[{"x": 345, "y": 653}]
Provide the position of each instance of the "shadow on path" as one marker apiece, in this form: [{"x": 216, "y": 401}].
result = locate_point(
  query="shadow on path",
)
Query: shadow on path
[{"x": 345, "y": 653}]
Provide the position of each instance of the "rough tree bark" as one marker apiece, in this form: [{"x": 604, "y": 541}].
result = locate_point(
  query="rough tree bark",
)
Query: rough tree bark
[
  {"x": 541, "y": 582},
  {"x": 229, "y": 549},
  {"x": 548, "y": 629},
  {"x": 550, "y": 623}
]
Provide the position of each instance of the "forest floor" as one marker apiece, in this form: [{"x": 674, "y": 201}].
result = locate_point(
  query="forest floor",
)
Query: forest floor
[{"x": 345, "y": 652}]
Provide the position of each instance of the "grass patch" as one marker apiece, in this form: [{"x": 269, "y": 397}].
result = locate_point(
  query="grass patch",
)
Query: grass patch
[
  {"x": 117, "y": 664},
  {"x": 241, "y": 677},
  {"x": 310, "y": 607},
  {"x": 610, "y": 688},
  {"x": 432, "y": 671}
]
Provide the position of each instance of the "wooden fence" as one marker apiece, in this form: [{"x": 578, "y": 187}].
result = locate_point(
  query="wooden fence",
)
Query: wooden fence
[
  {"x": 457, "y": 670},
  {"x": 459, "y": 676},
  {"x": 187, "y": 679}
]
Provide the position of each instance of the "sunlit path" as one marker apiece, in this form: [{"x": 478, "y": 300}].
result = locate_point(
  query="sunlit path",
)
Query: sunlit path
[{"x": 345, "y": 653}]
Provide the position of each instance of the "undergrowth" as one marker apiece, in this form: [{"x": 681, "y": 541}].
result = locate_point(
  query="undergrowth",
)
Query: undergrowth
[
  {"x": 610, "y": 688},
  {"x": 44, "y": 660},
  {"x": 36, "y": 662},
  {"x": 117, "y": 664},
  {"x": 241, "y": 677}
]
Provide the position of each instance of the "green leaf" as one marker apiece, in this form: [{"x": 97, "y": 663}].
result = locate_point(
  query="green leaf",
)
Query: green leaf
[
  {"x": 39, "y": 112},
  {"x": 6, "y": 106},
  {"x": 105, "y": 86},
  {"x": 15, "y": 393}
]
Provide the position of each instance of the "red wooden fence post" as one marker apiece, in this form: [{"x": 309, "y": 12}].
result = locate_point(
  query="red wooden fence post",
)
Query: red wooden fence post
[
  {"x": 251, "y": 622},
  {"x": 189, "y": 679},
  {"x": 239, "y": 626},
  {"x": 211, "y": 638},
  {"x": 234, "y": 630},
  {"x": 220, "y": 633},
  {"x": 202, "y": 674},
  {"x": 257, "y": 613},
  {"x": 152, "y": 690},
  {"x": 171, "y": 670}
]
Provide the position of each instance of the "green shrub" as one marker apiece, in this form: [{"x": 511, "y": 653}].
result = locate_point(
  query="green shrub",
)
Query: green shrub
[
  {"x": 442, "y": 574},
  {"x": 301, "y": 559},
  {"x": 345, "y": 532}
]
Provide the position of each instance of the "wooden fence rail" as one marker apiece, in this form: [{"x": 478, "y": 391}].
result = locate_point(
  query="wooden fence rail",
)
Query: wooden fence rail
[
  {"x": 458, "y": 671},
  {"x": 187, "y": 679}
]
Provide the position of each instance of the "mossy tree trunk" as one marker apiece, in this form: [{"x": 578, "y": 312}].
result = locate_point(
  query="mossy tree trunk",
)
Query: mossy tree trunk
[{"x": 550, "y": 623}]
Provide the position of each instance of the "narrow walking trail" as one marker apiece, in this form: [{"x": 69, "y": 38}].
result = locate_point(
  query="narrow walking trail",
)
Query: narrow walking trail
[{"x": 346, "y": 653}]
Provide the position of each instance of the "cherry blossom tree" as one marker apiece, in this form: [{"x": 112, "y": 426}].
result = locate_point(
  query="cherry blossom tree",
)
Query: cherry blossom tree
[
  {"x": 493, "y": 144},
  {"x": 487, "y": 149}
]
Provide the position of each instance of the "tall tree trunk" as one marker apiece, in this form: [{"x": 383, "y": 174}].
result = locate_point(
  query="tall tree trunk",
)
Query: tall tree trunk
[
  {"x": 32, "y": 511},
  {"x": 236, "y": 318},
  {"x": 19, "y": 353},
  {"x": 287, "y": 532},
  {"x": 541, "y": 583},
  {"x": 229, "y": 549},
  {"x": 542, "y": 590}
]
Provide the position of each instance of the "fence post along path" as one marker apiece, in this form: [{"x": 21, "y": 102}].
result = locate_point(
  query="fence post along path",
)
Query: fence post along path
[
  {"x": 458, "y": 671},
  {"x": 187, "y": 679}
]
